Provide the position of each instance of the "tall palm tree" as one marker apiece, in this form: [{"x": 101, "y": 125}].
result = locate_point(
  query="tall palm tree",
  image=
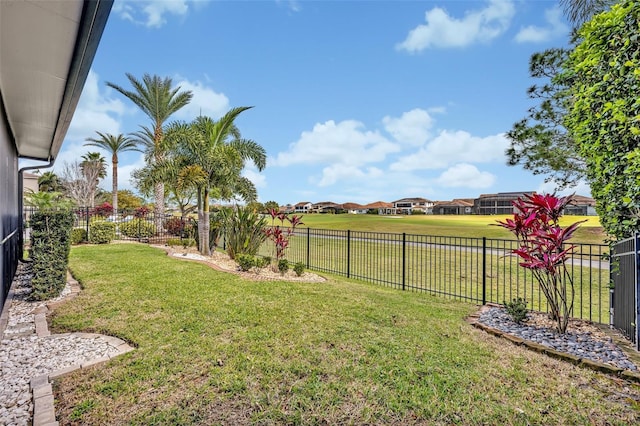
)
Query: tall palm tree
[
  {"x": 213, "y": 155},
  {"x": 93, "y": 168},
  {"x": 580, "y": 11},
  {"x": 114, "y": 145},
  {"x": 156, "y": 97}
]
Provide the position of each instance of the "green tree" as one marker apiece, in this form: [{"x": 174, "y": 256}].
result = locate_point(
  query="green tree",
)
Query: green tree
[
  {"x": 156, "y": 97},
  {"x": 540, "y": 142},
  {"x": 210, "y": 156},
  {"x": 271, "y": 205},
  {"x": 94, "y": 168},
  {"x": 49, "y": 182},
  {"x": 114, "y": 145},
  {"x": 604, "y": 117}
]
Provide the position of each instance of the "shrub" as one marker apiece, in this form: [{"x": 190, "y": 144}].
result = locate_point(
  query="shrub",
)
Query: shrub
[
  {"x": 103, "y": 210},
  {"x": 50, "y": 245},
  {"x": 101, "y": 232},
  {"x": 262, "y": 262},
  {"x": 283, "y": 266},
  {"x": 517, "y": 309},
  {"x": 141, "y": 212},
  {"x": 78, "y": 235},
  {"x": 298, "y": 268},
  {"x": 181, "y": 242},
  {"x": 245, "y": 261},
  {"x": 138, "y": 228},
  {"x": 544, "y": 250},
  {"x": 245, "y": 231},
  {"x": 417, "y": 212}
]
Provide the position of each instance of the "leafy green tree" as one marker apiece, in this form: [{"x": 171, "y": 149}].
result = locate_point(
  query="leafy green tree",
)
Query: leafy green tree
[
  {"x": 256, "y": 206},
  {"x": 50, "y": 182},
  {"x": 271, "y": 205},
  {"x": 94, "y": 168},
  {"x": 604, "y": 117},
  {"x": 114, "y": 145},
  {"x": 156, "y": 97},
  {"x": 210, "y": 156},
  {"x": 540, "y": 142}
]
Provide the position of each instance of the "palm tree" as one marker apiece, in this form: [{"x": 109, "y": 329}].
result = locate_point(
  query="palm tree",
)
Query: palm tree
[
  {"x": 580, "y": 11},
  {"x": 158, "y": 100},
  {"x": 49, "y": 182},
  {"x": 210, "y": 155},
  {"x": 114, "y": 145},
  {"x": 93, "y": 168}
]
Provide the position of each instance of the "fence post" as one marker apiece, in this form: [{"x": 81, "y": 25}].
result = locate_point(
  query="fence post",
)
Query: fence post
[
  {"x": 86, "y": 220},
  {"x": 484, "y": 270},
  {"x": 636, "y": 313},
  {"x": 348, "y": 253},
  {"x": 308, "y": 247},
  {"x": 404, "y": 260}
]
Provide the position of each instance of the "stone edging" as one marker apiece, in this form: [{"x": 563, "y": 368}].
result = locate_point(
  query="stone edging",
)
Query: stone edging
[
  {"x": 44, "y": 413},
  {"x": 563, "y": 356}
]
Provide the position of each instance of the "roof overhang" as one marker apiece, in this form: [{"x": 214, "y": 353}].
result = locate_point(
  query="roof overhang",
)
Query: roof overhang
[{"x": 46, "y": 51}]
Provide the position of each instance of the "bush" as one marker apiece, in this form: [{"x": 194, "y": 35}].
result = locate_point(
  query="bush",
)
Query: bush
[
  {"x": 50, "y": 245},
  {"x": 78, "y": 235},
  {"x": 138, "y": 228},
  {"x": 176, "y": 226},
  {"x": 262, "y": 262},
  {"x": 298, "y": 268},
  {"x": 283, "y": 266},
  {"x": 101, "y": 232},
  {"x": 517, "y": 309},
  {"x": 245, "y": 231},
  {"x": 181, "y": 242},
  {"x": 245, "y": 261}
]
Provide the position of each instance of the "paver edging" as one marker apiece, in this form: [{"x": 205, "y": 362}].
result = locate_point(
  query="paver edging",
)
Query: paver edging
[
  {"x": 563, "y": 356},
  {"x": 44, "y": 413}
]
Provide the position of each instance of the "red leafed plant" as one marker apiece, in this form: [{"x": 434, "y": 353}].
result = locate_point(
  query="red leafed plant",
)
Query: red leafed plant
[
  {"x": 105, "y": 209},
  {"x": 279, "y": 234},
  {"x": 544, "y": 249}
]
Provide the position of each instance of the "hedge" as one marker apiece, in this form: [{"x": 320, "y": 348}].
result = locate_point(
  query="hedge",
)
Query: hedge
[{"x": 101, "y": 232}]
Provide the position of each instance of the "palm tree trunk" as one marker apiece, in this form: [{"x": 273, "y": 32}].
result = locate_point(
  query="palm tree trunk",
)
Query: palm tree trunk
[
  {"x": 207, "y": 225},
  {"x": 158, "y": 209},
  {"x": 200, "y": 220},
  {"x": 114, "y": 184}
]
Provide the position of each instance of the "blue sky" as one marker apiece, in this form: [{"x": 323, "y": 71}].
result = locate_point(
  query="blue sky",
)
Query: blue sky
[{"x": 354, "y": 100}]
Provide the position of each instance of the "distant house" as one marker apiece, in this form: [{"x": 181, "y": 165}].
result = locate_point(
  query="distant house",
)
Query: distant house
[
  {"x": 456, "y": 206},
  {"x": 500, "y": 203},
  {"x": 326, "y": 207},
  {"x": 382, "y": 207},
  {"x": 581, "y": 206},
  {"x": 408, "y": 205},
  {"x": 354, "y": 208},
  {"x": 303, "y": 207},
  {"x": 29, "y": 182},
  {"x": 289, "y": 208}
]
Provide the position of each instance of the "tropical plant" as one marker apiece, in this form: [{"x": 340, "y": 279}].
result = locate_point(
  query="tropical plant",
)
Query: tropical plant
[
  {"x": 283, "y": 266},
  {"x": 544, "y": 250},
  {"x": 47, "y": 200},
  {"x": 580, "y": 11},
  {"x": 210, "y": 155},
  {"x": 103, "y": 210},
  {"x": 603, "y": 117},
  {"x": 517, "y": 309},
  {"x": 113, "y": 145},
  {"x": 93, "y": 169},
  {"x": 244, "y": 231},
  {"x": 158, "y": 99},
  {"x": 49, "y": 182},
  {"x": 279, "y": 234},
  {"x": 245, "y": 261}
]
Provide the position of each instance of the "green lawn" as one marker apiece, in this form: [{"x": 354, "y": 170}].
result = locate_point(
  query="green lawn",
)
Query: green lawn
[
  {"x": 215, "y": 349},
  {"x": 455, "y": 225}
]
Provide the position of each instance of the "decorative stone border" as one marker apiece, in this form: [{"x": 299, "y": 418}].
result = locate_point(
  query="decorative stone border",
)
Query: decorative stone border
[
  {"x": 563, "y": 356},
  {"x": 44, "y": 413}
]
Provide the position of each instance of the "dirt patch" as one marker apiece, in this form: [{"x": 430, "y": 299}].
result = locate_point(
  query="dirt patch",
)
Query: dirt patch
[{"x": 222, "y": 262}]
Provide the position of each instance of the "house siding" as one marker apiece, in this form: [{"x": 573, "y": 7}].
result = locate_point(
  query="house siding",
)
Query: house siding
[{"x": 8, "y": 208}]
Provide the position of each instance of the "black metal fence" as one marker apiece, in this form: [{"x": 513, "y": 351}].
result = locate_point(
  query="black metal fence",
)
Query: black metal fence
[
  {"x": 625, "y": 256},
  {"x": 478, "y": 270}
]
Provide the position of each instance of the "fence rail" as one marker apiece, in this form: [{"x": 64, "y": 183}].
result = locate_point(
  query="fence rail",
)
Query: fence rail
[
  {"x": 625, "y": 255},
  {"x": 478, "y": 270}
]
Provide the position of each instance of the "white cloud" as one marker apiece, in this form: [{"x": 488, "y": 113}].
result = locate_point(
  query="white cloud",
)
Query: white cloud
[
  {"x": 346, "y": 142},
  {"x": 454, "y": 147},
  {"x": 205, "y": 101},
  {"x": 252, "y": 173},
  {"x": 150, "y": 13},
  {"x": 343, "y": 172},
  {"x": 465, "y": 175},
  {"x": 411, "y": 128},
  {"x": 534, "y": 34},
  {"x": 443, "y": 31}
]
